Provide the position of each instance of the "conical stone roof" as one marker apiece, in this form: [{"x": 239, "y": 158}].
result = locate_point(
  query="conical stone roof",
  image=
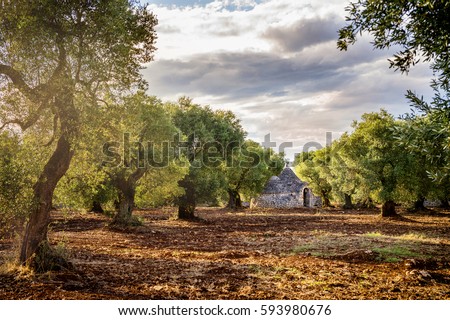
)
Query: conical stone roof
[{"x": 286, "y": 182}]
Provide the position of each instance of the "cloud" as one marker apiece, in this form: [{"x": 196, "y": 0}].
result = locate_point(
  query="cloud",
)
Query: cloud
[
  {"x": 237, "y": 75},
  {"x": 303, "y": 33},
  {"x": 168, "y": 29},
  {"x": 275, "y": 64}
]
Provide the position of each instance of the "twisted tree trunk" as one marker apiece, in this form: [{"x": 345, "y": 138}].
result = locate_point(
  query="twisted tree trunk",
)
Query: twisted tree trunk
[
  {"x": 34, "y": 245},
  {"x": 97, "y": 207},
  {"x": 348, "y": 202},
  {"x": 37, "y": 226},
  {"x": 126, "y": 188},
  {"x": 234, "y": 199},
  {"x": 125, "y": 207},
  {"x": 325, "y": 200},
  {"x": 187, "y": 202},
  {"x": 419, "y": 204},
  {"x": 388, "y": 209}
]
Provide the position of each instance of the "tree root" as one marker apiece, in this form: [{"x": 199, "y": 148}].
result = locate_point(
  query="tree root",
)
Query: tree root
[
  {"x": 48, "y": 258},
  {"x": 128, "y": 221}
]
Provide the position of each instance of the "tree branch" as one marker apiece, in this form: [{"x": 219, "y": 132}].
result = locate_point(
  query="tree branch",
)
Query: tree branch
[
  {"x": 55, "y": 128},
  {"x": 17, "y": 78},
  {"x": 136, "y": 175},
  {"x": 28, "y": 122}
]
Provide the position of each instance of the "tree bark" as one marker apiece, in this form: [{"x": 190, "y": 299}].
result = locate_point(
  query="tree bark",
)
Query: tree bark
[
  {"x": 326, "y": 200},
  {"x": 419, "y": 204},
  {"x": 348, "y": 202},
  {"x": 125, "y": 206},
  {"x": 326, "y": 203},
  {"x": 187, "y": 202},
  {"x": 37, "y": 226},
  {"x": 444, "y": 203},
  {"x": 57, "y": 96},
  {"x": 388, "y": 209},
  {"x": 97, "y": 207},
  {"x": 127, "y": 190},
  {"x": 234, "y": 199}
]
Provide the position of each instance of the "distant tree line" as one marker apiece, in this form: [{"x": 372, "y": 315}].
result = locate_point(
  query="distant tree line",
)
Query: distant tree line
[
  {"x": 386, "y": 160},
  {"x": 71, "y": 90},
  {"x": 383, "y": 160}
]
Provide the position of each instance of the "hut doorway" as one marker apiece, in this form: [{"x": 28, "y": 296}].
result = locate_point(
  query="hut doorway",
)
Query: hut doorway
[{"x": 306, "y": 197}]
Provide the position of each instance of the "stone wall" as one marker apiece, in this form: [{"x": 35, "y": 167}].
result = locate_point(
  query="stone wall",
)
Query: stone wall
[
  {"x": 284, "y": 201},
  {"x": 316, "y": 201},
  {"x": 432, "y": 203},
  {"x": 278, "y": 200},
  {"x": 286, "y": 191}
]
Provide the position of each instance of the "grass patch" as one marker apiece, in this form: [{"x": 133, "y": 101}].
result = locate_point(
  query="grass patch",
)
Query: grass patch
[
  {"x": 414, "y": 237},
  {"x": 304, "y": 248},
  {"x": 396, "y": 253},
  {"x": 408, "y": 237},
  {"x": 396, "y": 250},
  {"x": 374, "y": 235},
  {"x": 313, "y": 249},
  {"x": 389, "y": 248}
]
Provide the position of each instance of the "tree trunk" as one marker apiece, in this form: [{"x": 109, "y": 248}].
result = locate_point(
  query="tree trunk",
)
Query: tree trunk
[
  {"x": 444, "y": 203},
  {"x": 234, "y": 199},
  {"x": 348, "y": 202},
  {"x": 366, "y": 204},
  {"x": 125, "y": 208},
  {"x": 37, "y": 226},
  {"x": 388, "y": 209},
  {"x": 187, "y": 202},
  {"x": 419, "y": 204},
  {"x": 126, "y": 187},
  {"x": 97, "y": 207},
  {"x": 125, "y": 204},
  {"x": 35, "y": 246},
  {"x": 326, "y": 200}
]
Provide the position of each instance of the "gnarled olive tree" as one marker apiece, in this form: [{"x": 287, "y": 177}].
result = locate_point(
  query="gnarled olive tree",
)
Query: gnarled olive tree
[{"x": 57, "y": 59}]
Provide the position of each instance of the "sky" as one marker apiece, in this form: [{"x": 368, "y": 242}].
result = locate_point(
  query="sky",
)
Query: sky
[{"x": 275, "y": 64}]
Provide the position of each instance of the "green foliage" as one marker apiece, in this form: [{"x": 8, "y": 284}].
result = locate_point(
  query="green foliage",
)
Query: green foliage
[
  {"x": 105, "y": 40},
  {"x": 368, "y": 164},
  {"x": 251, "y": 167},
  {"x": 422, "y": 30},
  {"x": 126, "y": 155},
  {"x": 345, "y": 173},
  {"x": 375, "y": 155},
  {"x": 83, "y": 184},
  {"x": 313, "y": 167},
  {"x": 159, "y": 187},
  {"x": 208, "y": 138},
  {"x": 427, "y": 142},
  {"x": 14, "y": 187},
  {"x": 60, "y": 61},
  {"x": 139, "y": 130}
]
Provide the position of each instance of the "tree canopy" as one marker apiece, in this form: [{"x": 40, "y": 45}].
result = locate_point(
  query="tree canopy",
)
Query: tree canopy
[
  {"x": 59, "y": 59},
  {"x": 251, "y": 167},
  {"x": 422, "y": 30},
  {"x": 207, "y": 141}
]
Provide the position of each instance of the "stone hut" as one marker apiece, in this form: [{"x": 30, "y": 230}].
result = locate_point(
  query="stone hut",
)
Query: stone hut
[{"x": 286, "y": 191}]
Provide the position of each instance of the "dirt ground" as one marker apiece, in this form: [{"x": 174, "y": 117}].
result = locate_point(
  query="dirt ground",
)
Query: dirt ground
[{"x": 259, "y": 254}]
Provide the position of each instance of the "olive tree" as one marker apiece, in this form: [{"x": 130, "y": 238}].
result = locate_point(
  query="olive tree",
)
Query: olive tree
[
  {"x": 421, "y": 31},
  {"x": 207, "y": 141},
  {"x": 57, "y": 61},
  {"x": 251, "y": 167}
]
